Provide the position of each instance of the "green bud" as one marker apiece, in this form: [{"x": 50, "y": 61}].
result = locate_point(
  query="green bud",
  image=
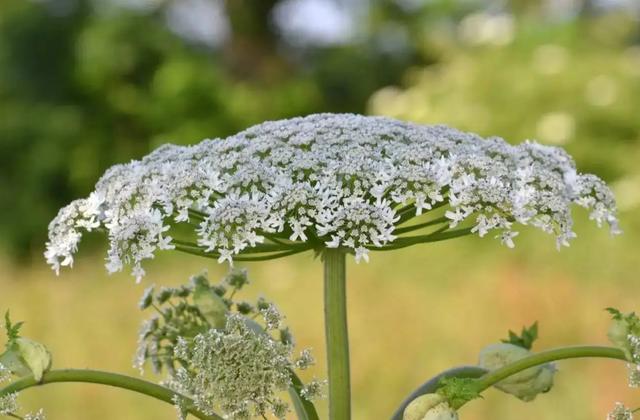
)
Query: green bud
[
  {"x": 183, "y": 291},
  {"x": 147, "y": 298},
  {"x": 525, "y": 385},
  {"x": 618, "y": 334},
  {"x": 285, "y": 336},
  {"x": 244, "y": 308},
  {"x": 429, "y": 407},
  {"x": 262, "y": 304},
  {"x": 219, "y": 290},
  {"x": 237, "y": 279},
  {"x": 164, "y": 295},
  {"x": 24, "y": 356},
  {"x": 200, "y": 280}
]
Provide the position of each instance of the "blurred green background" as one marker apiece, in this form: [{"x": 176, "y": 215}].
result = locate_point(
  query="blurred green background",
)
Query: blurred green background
[{"x": 85, "y": 84}]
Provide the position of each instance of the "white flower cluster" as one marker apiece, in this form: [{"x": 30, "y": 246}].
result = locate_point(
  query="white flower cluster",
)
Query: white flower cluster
[
  {"x": 620, "y": 412},
  {"x": 239, "y": 371},
  {"x": 326, "y": 180},
  {"x": 9, "y": 405},
  {"x": 8, "y": 402},
  {"x": 634, "y": 368}
]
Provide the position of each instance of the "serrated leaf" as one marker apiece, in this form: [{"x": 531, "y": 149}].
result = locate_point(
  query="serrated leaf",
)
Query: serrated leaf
[
  {"x": 525, "y": 339},
  {"x": 616, "y": 314},
  {"x": 13, "y": 330}
]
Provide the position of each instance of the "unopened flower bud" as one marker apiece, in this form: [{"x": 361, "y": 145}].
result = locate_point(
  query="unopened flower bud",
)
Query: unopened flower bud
[
  {"x": 429, "y": 407},
  {"x": 525, "y": 385},
  {"x": 24, "y": 356},
  {"x": 619, "y": 336}
]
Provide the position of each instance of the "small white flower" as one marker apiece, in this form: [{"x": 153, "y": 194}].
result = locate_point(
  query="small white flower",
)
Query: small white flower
[
  {"x": 9, "y": 404},
  {"x": 506, "y": 238}
]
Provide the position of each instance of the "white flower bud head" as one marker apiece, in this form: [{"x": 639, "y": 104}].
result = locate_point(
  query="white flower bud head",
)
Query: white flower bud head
[
  {"x": 429, "y": 407},
  {"x": 525, "y": 385}
]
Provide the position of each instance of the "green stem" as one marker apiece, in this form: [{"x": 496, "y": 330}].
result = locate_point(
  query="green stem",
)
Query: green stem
[
  {"x": 438, "y": 235},
  {"x": 543, "y": 357},
  {"x": 335, "y": 310},
  {"x": 106, "y": 378},
  {"x": 417, "y": 226}
]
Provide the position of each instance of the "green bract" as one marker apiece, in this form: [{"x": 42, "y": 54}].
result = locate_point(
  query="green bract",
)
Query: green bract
[{"x": 525, "y": 385}]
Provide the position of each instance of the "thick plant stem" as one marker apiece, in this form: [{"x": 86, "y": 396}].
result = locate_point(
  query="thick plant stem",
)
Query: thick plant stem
[
  {"x": 105, "y": 378},
  {"x": 543, "y": 357},
  {"x": 335, "y": 313}
]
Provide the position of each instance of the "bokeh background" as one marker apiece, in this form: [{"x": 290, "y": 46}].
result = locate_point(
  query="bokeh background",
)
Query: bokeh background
[{"x": 85, "y": 84}]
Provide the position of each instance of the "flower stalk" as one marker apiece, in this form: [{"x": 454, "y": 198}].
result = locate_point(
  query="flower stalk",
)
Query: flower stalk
[
  {"x": 337, "y": 338},
  {"x": 106, "y": 378}
]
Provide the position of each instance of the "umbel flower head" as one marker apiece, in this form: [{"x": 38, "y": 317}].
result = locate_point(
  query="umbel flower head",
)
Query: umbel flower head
[
  {"x": 237, "y": 369},
  {"x": 326, "y": 180},
  {"x": 229, "y": 356}
]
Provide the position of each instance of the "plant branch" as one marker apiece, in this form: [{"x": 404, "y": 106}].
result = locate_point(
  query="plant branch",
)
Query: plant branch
[
  {"x": 544, "y": 357},
  {"x": 106, "y": 378},
  {"x": 436, "y": 236}
]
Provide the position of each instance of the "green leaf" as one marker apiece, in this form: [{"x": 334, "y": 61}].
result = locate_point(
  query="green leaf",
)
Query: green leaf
[
  {"x": 525, "y": 339},
  {"x": 305, "y": 410},
  {"x": 616, "y": 314},
  {"x": 211, "y": 306}
]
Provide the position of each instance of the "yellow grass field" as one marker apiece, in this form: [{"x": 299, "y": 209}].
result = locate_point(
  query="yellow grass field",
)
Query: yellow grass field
[{"x": 412, "y": 313}]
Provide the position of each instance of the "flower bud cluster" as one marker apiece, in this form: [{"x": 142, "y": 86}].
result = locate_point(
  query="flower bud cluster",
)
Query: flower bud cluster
[
  {"x": 229, "y": 357},
  {"x": 624, "y": 333},
  {"x": 525, "y": 385},
  {"x": 9, "y": 405},
  {"x": 325, "y": 181},
  {"x": 620, "y": 412}
]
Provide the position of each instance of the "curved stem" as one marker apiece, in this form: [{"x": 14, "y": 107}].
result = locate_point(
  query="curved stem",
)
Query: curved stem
[
  {"x": 240, "y": 257},
  {"x": 335, "y": 310},
  {"x": 543, "y": 357},
  {"x": 106, "y": 378},
  {"x": 438, "y": 235}
]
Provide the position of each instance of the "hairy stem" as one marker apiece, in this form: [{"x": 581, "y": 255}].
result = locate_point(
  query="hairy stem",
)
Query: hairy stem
[
  {"x": 335, "y": 310},
  {"x": 543, "y": 357},
  {"x": 106, "y": 378}
]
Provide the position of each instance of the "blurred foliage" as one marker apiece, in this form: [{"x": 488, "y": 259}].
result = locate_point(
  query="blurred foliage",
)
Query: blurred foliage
[
  {"x": 84, "y": 85},
  {"x": 575, "y": 84}
]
